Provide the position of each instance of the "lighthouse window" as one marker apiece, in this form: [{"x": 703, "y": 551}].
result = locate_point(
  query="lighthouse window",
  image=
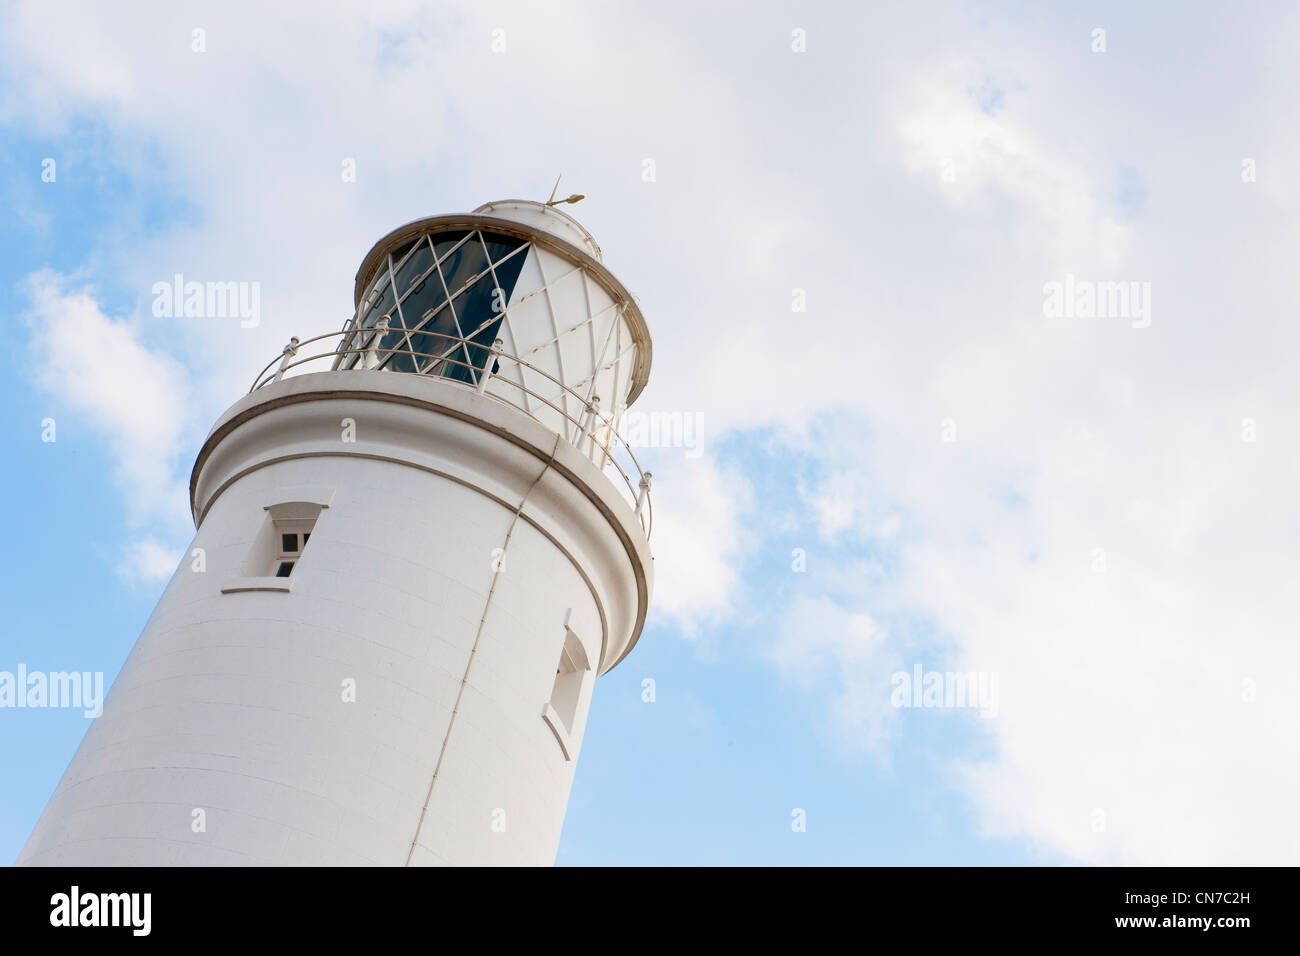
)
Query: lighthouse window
[
  {"x": 277, "y": 548},
  {"x": 477, "y": 270},
  {"x": 479, "y": 305},
  {"x": 425, "y": 298},
  {"x": 416, "y": 265},
  {"x": 569, "y": 672},
  {"x": 293, "y": 535},
  {"x": 444, "y": 242},
  {"x": 565, "y": 712}
]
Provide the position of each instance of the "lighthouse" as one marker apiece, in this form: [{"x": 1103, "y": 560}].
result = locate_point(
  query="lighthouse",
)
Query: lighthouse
[{"x": 419, "y": 541}]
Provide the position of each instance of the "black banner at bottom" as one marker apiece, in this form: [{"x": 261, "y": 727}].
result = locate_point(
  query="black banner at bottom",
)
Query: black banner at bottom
[{"x": 1228, "y": 906}]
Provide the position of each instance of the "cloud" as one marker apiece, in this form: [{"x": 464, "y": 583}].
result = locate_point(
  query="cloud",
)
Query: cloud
[
  {"x": 699, "y": 540},
  {"x": 136, "y": 398},
  {"x": 148, "y": 561},
  {"x": 1102, "y": 533},
  {"x": 820, "y": 640}
]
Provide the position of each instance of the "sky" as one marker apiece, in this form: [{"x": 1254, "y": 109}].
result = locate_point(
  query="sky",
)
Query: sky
[{"x": 847, "y": 226}]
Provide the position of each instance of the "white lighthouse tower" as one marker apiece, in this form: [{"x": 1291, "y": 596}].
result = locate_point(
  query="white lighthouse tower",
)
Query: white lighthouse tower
[{"x": 420, "y": 539}]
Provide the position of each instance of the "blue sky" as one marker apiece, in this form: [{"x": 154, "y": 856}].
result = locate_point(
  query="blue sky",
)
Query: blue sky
[{"x": 1099, "y": 511}]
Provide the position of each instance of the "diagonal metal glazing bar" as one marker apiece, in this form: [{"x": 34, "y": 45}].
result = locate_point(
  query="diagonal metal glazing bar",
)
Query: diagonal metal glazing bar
[
  {"x": 581, "y": 325},
  {"x": 608, "y": 365}
]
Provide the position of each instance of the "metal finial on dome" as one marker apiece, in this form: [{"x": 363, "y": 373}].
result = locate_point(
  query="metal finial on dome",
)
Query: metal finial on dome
[{"x": 573, "y": 197}]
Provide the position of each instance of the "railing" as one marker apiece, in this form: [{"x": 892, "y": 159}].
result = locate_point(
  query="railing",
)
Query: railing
[{"x": 595, "y": 434}]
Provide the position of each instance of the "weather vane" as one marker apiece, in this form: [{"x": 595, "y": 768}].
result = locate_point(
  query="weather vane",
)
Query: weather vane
[{"x": 555, "y": 202}]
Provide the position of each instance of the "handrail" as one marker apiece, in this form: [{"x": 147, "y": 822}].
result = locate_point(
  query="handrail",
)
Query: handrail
[{"x": 585, "y": 432}]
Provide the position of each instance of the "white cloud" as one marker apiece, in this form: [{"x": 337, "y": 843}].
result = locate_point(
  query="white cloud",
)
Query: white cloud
[
  {"x": 137, "y": 398},
  {"x": 818, "y": 640},
  {"x": 148, "y": 561},
  {"x": 699, "y": 539},
  {"x": 1149, "y": 691}
]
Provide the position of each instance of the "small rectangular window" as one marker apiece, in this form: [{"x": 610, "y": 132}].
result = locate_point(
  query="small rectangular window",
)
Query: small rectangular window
[
  {"x": 292, "y": 533},
  {"x": 570, "y": 673},
  {"x": 565, "y": 711},
  {"x": 280, "y": 545}
]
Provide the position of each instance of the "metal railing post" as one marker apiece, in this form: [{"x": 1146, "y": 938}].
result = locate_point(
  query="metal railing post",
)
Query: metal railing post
[
  {"x": 644, "y": 493},
  {"x": 372, "y": 350},
  {"x": 290, "y": 351},
  {"x": 493, "y": 354},
  {"x": 589, "y": 426}
]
